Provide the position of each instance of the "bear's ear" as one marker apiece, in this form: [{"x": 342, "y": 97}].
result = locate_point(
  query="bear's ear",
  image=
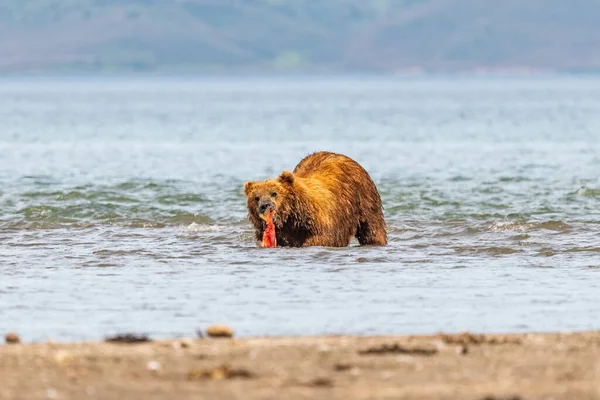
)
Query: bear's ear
[
  {"x": 286, "y": 177},
  {"x": 248, "y": 187}
]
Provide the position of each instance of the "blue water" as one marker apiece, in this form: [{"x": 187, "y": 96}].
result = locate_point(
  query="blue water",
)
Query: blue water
[{"x": 121, "y": 206}]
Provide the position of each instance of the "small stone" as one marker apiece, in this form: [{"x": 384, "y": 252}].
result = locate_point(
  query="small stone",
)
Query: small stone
[
  {"x": 323, "y": 348},
  {"x": 51, "y": 393},
  {"x": 396, "y": 348},
  {"x": 219, "y": 331},
  {"x": 128, "y": 338},
  {"x": 153, "y": 366},
  {"x": 322, "y": 382},
  {"x": 219, "y": 373},
  {"x": 342, "y": 366},
  {"x": 181, "y": 344},
  {"x": 502, "y": 398},
  {"x": 63, "y": 358},
  {"x": 240, "y": 373},
  {"x": 462, "y": 350},
  {"x": 12, "y": 338},
  {"x": 194, "y": 374}
]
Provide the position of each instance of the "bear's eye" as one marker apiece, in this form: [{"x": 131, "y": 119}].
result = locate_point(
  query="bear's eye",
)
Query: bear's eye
[
  {"x": 273, "y": 194},
  {"x": 256, "y": 198}
]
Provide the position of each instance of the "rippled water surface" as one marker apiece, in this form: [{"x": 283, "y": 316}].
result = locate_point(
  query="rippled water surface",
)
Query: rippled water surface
[{"x": 121, "y": 206}]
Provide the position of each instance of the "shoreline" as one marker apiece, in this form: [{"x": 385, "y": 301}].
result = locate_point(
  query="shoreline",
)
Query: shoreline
[{"x": 560, "y": 365}]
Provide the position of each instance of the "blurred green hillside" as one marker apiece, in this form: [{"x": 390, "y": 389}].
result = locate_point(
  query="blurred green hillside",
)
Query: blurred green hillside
[{"x": 333, "y": 35}]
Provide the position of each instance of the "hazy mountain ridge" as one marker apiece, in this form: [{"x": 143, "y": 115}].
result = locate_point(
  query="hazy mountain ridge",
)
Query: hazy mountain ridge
[{"x": 340, "y": 35}]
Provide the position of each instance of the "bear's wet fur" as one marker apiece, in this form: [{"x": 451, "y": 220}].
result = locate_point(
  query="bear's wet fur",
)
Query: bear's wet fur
[{"x": 328, "y": 199}]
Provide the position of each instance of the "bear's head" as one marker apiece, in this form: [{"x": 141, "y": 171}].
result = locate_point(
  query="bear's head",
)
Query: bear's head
[{"x": 274, "y": 194}]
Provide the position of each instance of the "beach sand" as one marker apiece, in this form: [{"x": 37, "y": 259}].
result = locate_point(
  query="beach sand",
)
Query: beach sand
[{"x": 459, "y": 366}]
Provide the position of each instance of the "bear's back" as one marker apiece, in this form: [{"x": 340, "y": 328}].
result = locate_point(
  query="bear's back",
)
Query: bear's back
[{"x": 324, "y": 163}]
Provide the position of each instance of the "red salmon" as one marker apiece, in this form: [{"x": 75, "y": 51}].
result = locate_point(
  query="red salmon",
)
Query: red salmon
[{"x": 269, "y": 238}]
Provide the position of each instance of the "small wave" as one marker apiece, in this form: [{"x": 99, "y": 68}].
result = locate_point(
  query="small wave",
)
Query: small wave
[
  {"x": 496, "y": 250},
  {"x": 519, "y": 226},
  {"x": 487, "y": 216},
  {"x": 497, "y": 206},
  {"x": 437, "y": 203},
  {"x": 587, "y": 249},
  {"x": 42, "y": 225},
  {"x": 143, "y": 224},
  {"x": 401, "y": 228},
  {"x": 361, "y": 260},
  {"x": 184, "y": 198},
  {"x": 187, "y": 219},
  {"x": 71, "y": 224},
  {"x": 142, "y": 184},
  {"x": 587, "y": 192},
  {"x": 509, "y": 226},
  {"x": 74, "y": 196},
  {"x": 493, "y": 251},
  {"x": 70, "y": 213},
  {"x": 546, "y": 252},
  {"x": 201, "y": 228},
  {"x": 460, "y": 178},
  {"x": 553, "y": 226},
  {"x": 505, "y": 179},
  {"x": 399, "y": 209}
]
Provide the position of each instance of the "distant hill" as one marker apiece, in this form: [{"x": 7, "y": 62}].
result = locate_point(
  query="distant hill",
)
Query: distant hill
[{"x": 332, "y": 35}]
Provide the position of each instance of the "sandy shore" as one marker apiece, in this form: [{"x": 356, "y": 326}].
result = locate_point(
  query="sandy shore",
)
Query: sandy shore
[{"x": 519, "y": 366}]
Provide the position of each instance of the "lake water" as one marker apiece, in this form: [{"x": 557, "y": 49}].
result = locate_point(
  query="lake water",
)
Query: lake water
[{"x": 121, "y": 206}]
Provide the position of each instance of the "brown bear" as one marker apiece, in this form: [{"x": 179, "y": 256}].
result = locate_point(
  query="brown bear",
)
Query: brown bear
[{"x": 328, "y": 199}]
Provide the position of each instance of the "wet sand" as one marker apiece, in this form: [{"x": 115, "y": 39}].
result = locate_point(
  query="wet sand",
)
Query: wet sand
[{"x": 462, "y": 366}]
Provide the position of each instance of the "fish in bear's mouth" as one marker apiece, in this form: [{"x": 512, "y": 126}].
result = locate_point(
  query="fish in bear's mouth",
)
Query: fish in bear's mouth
[{"x": 269, "y": 238}]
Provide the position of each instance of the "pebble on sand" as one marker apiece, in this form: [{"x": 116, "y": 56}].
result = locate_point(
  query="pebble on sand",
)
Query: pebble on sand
[
  {"x": 153, "y": 366},
  {"x": 128, "y": 338},
  {"x": 12, "y": 338},
  {"x": 219, "y": 331},
  {"x": 220, "y": 373}
]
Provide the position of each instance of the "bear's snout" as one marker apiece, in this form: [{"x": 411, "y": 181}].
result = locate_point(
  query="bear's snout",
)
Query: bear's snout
[{"x": 263, "y": 207}]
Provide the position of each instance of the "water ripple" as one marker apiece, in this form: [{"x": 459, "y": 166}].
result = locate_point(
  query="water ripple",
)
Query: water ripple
[{"x": 113, "y": 218}]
